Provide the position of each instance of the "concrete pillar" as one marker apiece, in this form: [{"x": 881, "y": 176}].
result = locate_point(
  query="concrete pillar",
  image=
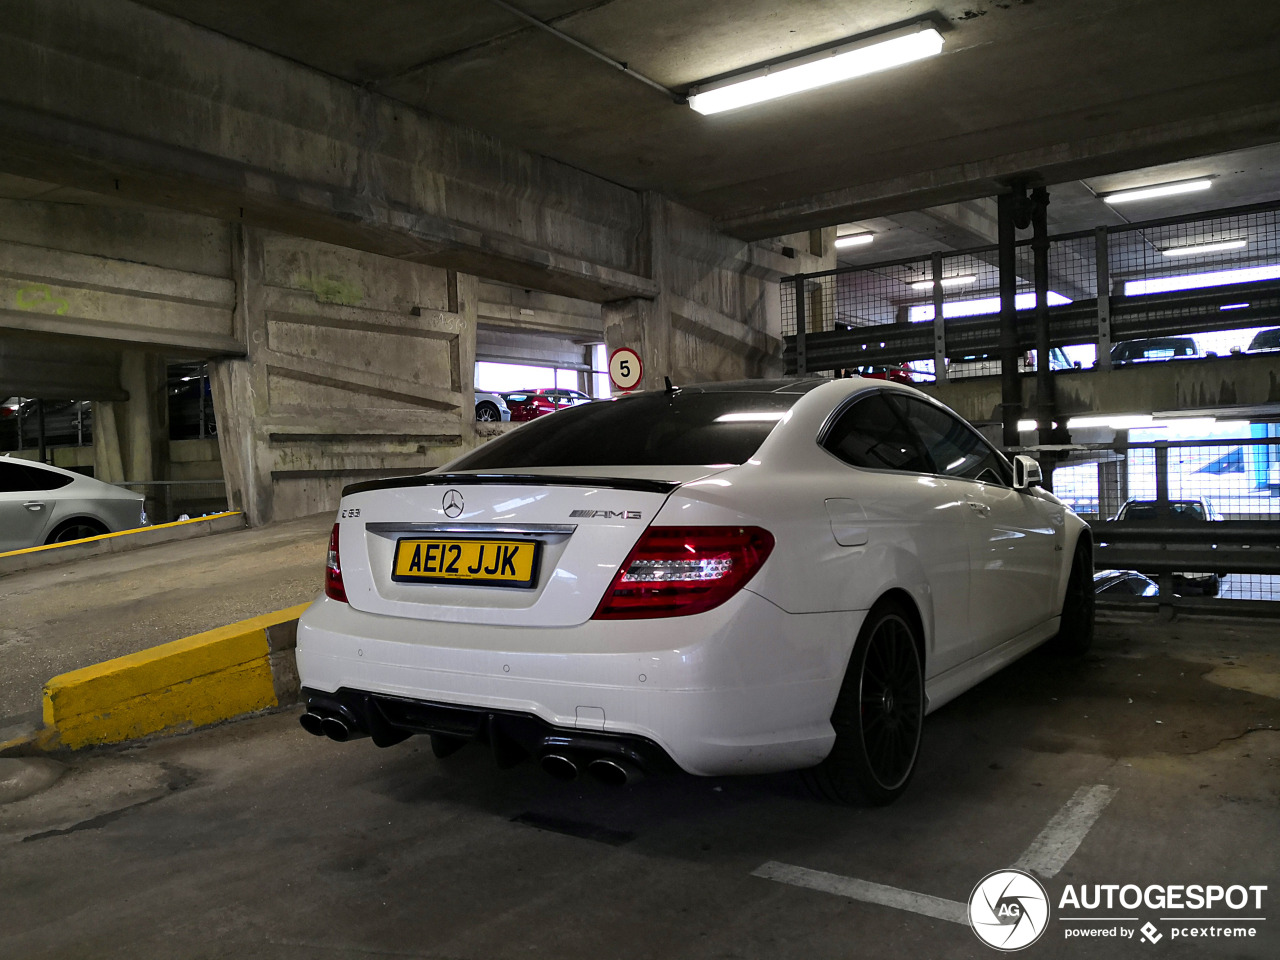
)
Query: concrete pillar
[{"x": 130, "y": 437}]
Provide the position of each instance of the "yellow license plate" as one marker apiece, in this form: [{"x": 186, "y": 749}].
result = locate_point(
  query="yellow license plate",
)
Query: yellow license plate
[{"x": 509, "y": 563}]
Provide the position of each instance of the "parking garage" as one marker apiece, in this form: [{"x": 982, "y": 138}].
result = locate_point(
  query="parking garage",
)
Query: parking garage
[{"x": 251, "y": 259}]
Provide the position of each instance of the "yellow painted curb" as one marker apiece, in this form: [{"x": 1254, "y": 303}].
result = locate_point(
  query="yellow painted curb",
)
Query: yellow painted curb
[
  {"x": 118, "y": 533},
  {"x": 188, "y": 683}
]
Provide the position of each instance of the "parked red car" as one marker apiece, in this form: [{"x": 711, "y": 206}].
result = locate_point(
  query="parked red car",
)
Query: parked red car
[
  {"x": 531, "y": 404},
  {"x": 898, "y": 373}
]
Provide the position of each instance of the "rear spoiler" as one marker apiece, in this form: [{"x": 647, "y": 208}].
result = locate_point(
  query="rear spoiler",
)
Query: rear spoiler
[{"x": 511, "y": 479}]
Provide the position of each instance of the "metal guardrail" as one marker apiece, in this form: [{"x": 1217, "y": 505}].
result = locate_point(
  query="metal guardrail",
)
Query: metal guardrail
[{"x": 1221, "y": 546}]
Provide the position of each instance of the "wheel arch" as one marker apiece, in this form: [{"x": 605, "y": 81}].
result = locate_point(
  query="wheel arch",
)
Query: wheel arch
[
  {"x": 85, "y": 518},
  {"x": 903, "y": 597}
]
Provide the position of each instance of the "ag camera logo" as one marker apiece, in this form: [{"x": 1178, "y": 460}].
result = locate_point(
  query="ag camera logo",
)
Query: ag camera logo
[{"x": 1008, "y": 910}]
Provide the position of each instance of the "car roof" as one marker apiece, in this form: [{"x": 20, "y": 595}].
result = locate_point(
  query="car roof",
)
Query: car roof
[{"x": 43, "y": 466}]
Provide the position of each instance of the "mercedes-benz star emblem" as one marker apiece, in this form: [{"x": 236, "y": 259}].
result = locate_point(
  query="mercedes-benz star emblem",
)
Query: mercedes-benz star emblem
[{"x": 452, "y": 504}]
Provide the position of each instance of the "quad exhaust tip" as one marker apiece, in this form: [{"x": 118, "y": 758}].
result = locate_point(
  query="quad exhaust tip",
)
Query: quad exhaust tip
[
  {"x": 313, "y": 723},
  {"x": 559, "y": 766},
  {"x": 614, "y": 773},
  {"x": 336, "y": 728}
]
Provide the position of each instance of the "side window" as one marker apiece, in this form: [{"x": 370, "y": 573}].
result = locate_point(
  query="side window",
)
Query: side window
[
  {"x": 957, "y": 450},
  {"x": 16, "y": 477},
  {"x": 13, "y": 477},
  {"x": 871, "y": 433}
]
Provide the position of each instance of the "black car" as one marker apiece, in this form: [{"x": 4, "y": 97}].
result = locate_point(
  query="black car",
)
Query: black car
[
  {"x": 1265, "y": 341},
  {"x": 1190, "y": 510},
  {"x": 1154, "y": 348},
  {"x": 1124, "y": 583}
]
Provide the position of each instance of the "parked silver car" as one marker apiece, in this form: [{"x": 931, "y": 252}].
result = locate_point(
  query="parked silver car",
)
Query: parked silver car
[
  {"x": 40, "y": 504},
  {"x": 491, "y": 407}
]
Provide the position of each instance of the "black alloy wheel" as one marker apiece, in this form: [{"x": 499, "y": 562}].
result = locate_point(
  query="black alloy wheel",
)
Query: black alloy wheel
[
  {"x": 878, "y": 716},
  {"x": 76, "y": 530},
  {"x": 1075, "y": 629}
]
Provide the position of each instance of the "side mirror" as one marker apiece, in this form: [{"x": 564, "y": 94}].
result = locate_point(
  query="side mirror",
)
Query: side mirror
[{"x": 1026, "y": 472}]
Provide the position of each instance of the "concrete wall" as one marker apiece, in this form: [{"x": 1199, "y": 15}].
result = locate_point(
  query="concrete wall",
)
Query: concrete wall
[
  {"x": 717, "y": 313},
  {"x": 358, "y": 366}
]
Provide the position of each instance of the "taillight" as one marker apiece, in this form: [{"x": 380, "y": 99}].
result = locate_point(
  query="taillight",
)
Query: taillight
[
  {"x": 333, "y": 588},
  {"x": 678, "y": 571}
]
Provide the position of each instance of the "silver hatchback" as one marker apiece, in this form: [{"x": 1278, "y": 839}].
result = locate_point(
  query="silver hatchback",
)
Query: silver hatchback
[{"x": 40, "y": 504}]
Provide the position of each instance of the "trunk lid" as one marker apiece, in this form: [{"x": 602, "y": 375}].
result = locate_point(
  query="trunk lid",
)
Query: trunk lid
[{"x": 577, "y": 526}]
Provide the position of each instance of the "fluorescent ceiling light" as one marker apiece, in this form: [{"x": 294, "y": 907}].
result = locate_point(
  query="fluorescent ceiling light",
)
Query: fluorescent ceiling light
[
  {"x": 1198, "y": 281},
  {"x": 1234, "y": 306},
  {"x": 1159, "y": 190},
  {"x": 762, "y": 417},
  {"x": 983, "y": 305},
  {"x": 946, "y": 282},
  {"x": 843, "y": 62},
  {"x": 1194, "y": 248},
  {"x": 854, "y": 240},
  {"x": 1115, "y": 423}
]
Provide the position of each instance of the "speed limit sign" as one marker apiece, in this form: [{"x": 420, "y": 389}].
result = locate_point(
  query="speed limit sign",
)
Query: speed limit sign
[{"x": 625, "y": 369}]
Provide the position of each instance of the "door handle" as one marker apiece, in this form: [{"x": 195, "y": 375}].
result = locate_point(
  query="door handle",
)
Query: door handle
[
  {"x": 979, "y": 508},
  {"x": 34, "y": 505}
]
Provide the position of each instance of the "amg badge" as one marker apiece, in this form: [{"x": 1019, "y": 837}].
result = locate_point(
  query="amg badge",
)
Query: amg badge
[{"x": 607, "y": 514}]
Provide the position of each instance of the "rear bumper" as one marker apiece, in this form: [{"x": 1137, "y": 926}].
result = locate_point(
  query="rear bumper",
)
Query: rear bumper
[
  {"x": 744, "y": 688},
  {"x": 511, "y": 737}
]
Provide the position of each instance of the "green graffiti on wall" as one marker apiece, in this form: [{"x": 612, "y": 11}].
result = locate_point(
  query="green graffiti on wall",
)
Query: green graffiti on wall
[
  {"x": 34, "y": 296},
  {"x": 331, "y": 289}
]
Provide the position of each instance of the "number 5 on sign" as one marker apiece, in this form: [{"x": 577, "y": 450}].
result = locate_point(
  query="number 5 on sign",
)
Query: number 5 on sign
[{"x": 625, "y": 369}]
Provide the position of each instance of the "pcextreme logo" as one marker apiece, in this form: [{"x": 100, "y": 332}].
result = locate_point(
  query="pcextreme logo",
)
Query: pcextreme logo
[{"x": 1008, "y": 910}]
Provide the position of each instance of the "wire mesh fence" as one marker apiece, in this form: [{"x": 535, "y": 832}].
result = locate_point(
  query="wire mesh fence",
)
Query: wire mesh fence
[
  {"x": 1212, "y": 283},
  {"x": 1193, "y": 486}
]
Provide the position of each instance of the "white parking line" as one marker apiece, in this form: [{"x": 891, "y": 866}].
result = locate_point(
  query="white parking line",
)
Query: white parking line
[
  {"x": 865, "y": 890},
  {"x": 1048, "y": 853},
  {"x": 1061, "y": 837}
]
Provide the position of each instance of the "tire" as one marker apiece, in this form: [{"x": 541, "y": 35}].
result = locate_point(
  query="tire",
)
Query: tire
[
  {"x": 487, "y": 412},
  {"x": 76, "y": 529},
  {"x": 1075, "y": 633},
  {"x": 1213, "y": 586},
  {"x": 878, "y": 716}
]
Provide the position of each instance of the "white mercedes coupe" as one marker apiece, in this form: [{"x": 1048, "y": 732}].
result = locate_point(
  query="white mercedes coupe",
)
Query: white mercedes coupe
[{"x": 726, "y": 578}]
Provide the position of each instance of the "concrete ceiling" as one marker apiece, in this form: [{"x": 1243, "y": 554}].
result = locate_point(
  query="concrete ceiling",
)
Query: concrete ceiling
[{"x": 1086, "y": 89}]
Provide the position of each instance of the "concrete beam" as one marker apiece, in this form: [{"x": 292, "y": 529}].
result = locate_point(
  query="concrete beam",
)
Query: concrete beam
[
  {"x": 59, "y": 294},
  {"x": 59, "y": 370},
  {"x": 1076, "y": 159},
  {"x": 1203, "y": 384},
  {"x": 122, "y": 100}
]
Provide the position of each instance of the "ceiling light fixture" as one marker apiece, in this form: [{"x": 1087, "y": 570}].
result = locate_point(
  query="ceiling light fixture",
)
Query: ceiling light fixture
[
  {"x": 810, "y": 71},
  {"x": 1192, "y": 249},
  {"x": 960, "y": 281},
  {"x": 1199, "y": 281},
  {"x": 854, "y": 240},
  {"x": 1159, "y": 190}
]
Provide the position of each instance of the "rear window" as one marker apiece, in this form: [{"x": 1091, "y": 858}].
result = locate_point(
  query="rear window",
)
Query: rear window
[
  {"x": 650, "y": 429},
  {"x": 1266, "y": 340},
  {"x": 15, "y": 477}
]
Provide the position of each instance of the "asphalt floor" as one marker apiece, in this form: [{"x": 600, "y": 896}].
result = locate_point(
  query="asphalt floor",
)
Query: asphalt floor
[
  {"x": 254, "y": 839},
  {"x": 62, "y": 617}
]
